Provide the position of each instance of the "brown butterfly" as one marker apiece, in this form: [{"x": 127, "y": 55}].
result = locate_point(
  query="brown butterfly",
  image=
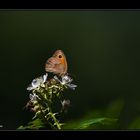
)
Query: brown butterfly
[{"x": 57, "y": 64}]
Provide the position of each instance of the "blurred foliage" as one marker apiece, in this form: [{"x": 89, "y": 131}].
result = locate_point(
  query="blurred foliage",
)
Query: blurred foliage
[
  {"x": 35, "y": 124},
  {"x": 95, "y": 123},
  {"x": 99, "y": 119},
  {"x": 114, "y": 109},
  {"x": 135, "y": 124},
  {"x": 96, "y": 119}
]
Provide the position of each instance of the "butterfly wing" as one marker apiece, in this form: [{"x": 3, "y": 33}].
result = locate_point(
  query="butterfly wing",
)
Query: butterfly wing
[
  {"x": 51, "y": 65},
  {"x": 57, "y": 64}
]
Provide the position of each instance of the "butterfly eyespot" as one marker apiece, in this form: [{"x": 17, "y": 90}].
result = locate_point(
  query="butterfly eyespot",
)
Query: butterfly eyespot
[{"x": 60, "y": 56}]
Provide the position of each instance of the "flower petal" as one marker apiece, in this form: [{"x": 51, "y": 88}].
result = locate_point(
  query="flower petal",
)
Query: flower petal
[
  {"x": 66, "y": 79},
  {"x": 45, "y": 77},
  {"x": 57, "y": 79},
  {"x": 30, "y": 88},
  {"x": 33, "y": 97},
  {"x": 72, "y": 86},
  {"x": 36, "y": 82}
]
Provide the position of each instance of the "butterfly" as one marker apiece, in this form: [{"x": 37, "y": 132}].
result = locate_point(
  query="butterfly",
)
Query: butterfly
[{"x": 57, "y": 64}]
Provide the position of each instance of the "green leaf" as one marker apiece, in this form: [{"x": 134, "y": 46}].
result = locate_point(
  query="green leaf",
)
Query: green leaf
[
  {"x": 99, "y": 119},
  {"x": 90, "y": 123},
  {"x": 22, "y": 127},
  {"x": 35, "y": 124}
]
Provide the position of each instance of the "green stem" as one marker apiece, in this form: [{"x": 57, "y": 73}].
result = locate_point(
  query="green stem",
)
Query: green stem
[
  {"x": 49, "y": 106},
  {"x": 55, "y": 120}
]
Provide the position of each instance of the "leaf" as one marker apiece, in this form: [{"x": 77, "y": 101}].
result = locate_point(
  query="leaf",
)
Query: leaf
[
  {"x": 99, "y": 119},
  {"x": 35, "y": 124},
  {"x": 87, "y": 124},
  {"x": 22, "y": 127}
]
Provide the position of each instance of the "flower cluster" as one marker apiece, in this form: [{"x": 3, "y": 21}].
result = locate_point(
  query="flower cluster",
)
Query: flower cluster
[{"x": 44, "y": 93}]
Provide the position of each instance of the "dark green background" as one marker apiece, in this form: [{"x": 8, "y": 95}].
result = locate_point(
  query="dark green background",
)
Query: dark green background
[{"x": 102, "y": 50}]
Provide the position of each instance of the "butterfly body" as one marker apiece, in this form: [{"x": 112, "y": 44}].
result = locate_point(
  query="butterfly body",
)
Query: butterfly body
[{"x": 57, "y": 64}]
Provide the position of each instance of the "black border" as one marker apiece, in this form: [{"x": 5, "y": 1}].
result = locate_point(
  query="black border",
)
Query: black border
[
  {"x": 71, "y": 135},
  {"x": 69, "y": 5}
]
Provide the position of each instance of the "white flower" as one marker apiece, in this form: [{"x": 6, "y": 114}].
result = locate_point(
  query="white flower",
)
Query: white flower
[
  {"x": 38, "y": 81},
  {"x": 66, "y": 80},
  {"x": 33, "y": 97}
]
